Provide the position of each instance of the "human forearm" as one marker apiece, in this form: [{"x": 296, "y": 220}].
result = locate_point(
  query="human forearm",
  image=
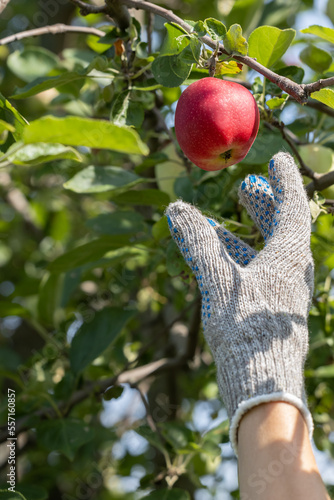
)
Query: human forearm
[{"x": 275, "y": 456}]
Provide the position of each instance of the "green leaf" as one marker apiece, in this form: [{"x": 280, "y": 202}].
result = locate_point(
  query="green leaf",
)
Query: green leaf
[
  {"x": 175, "y": 41},
  {"x": 173, "y": 65},
  {"x": 9, "y": 359},
  {"x": 143, "y": 197},
  {"x": 234, "y": 42},
  {"x": 276, "y": 102},
  {"x": 64, "y": 435},
  {"x": 247, "y": 13},
  {"x": 120, "y": 222},
  {"x": 63, "y": 78},
  {"x": 215, "y": 29},
  {"x": 217, "y": 433},
  {"x": 317, "y": 59},
  {"x": 191, "y": 54},
  {"x": 111, "y": 258},
  {"x": 94, "y": 337},
  {"x": 295, "y": 73},
  {"x": 160, "y": 229},
  {"x": 326, "y": 96},
  {"x": 316, "y": 209},
  {"x": 268, "y": 44},
  {"x": 33, "y": 491},
  {"x": 49, "y": 296},
  {"x": 320, "y": 31},
  {"x": 152, "y": 437},
  {"x": 31, "y": 62},
  {"x": 6, "y": 126},
  {"x": 170, "y": 71},
  {"x": 101, "y": 179},
  {"x": 264, "y": 148},
  {"x": 76, "y": 131},
  {"x": 125, "y": 111},
  {"x": 45, "y": 83},
  {"x": 210, "y": 448},
  {"x": 197, "y": 27},
  {"x": 113, "y": 392},
  {"x": 8, "y": 495},
  {"x": 196, "y": 74},
  {"x": 4, "y": 129},
  {"x": 89, "y": 252},
  {"x": 330, "y": 10},
  {"x": 8, "y": 112},
  {"x": 322, "y": 372},
  {"x": 12, "y": 309},
  {"x": 166, "y": 494},
  {"x": 177, "y": 434},
  {"x": 174, "y": 260},
  {"x": 41, "y": 152}
]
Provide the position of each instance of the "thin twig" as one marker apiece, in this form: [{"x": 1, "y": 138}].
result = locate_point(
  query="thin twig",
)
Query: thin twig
[
  {"x": 304, "y": 169},
  {"x": 54, "y": 29},
  {"x": 286, "y": 134},
  {"x": 149, "y": 32},
  {"x": 149, "y": 417}
]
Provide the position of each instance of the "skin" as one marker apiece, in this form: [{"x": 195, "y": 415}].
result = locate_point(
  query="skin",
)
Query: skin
[
  {"x": 276, "y": 460},
  {"x": 216, "y": 123}
]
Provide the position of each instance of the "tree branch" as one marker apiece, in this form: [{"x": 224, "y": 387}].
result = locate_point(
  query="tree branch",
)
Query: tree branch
[
  {"x": 85, "y": 9},
  {"x": 98, "y": 388},
  {"x": 119, "y": 13},
  {"x": 320, "y": 182},
  {"x": 319, "y": 106},
  {"x": 320, "y": 84},
  {"x": 285, "y": 84},
  {"x": 53, "y": 30},
  {"x": 299, "y": 92}
]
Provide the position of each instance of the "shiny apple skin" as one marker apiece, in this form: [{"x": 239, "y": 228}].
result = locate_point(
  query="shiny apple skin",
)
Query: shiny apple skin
[{"x": 216, "y": 123}]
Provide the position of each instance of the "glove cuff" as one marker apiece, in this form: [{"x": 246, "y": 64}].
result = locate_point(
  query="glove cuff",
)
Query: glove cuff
[{"x": 247, "y": 405}]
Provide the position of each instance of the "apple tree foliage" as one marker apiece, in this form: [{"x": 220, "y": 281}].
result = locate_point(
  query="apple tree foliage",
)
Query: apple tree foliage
[{"x": 98, "y": 310}]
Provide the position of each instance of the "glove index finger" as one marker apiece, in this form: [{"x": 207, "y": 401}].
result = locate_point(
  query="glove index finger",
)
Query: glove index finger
[
  {"x": 196, "y": 238},
  {"x": 289, "y": 193},
  {"x": 256, "y": 195}
]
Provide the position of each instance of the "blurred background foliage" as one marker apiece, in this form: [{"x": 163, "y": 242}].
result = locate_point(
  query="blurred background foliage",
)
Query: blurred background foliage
[{"x": 116, "y": 395}]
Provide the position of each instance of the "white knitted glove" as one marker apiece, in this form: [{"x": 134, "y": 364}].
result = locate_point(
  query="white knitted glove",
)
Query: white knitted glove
[{"x": 255, "y": 305}]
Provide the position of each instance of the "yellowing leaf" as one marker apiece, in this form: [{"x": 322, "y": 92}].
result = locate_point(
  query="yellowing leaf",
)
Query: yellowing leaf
[
  {"x": 234, "y": 42},
  {"x": 228, "y": 68}
]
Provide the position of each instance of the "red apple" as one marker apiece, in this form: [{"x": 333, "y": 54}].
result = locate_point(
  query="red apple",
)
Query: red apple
[{"x": 216, "y": 123}]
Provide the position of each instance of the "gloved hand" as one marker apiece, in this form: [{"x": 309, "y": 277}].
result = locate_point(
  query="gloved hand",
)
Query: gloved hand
[{"x": 255, "y": 305}]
